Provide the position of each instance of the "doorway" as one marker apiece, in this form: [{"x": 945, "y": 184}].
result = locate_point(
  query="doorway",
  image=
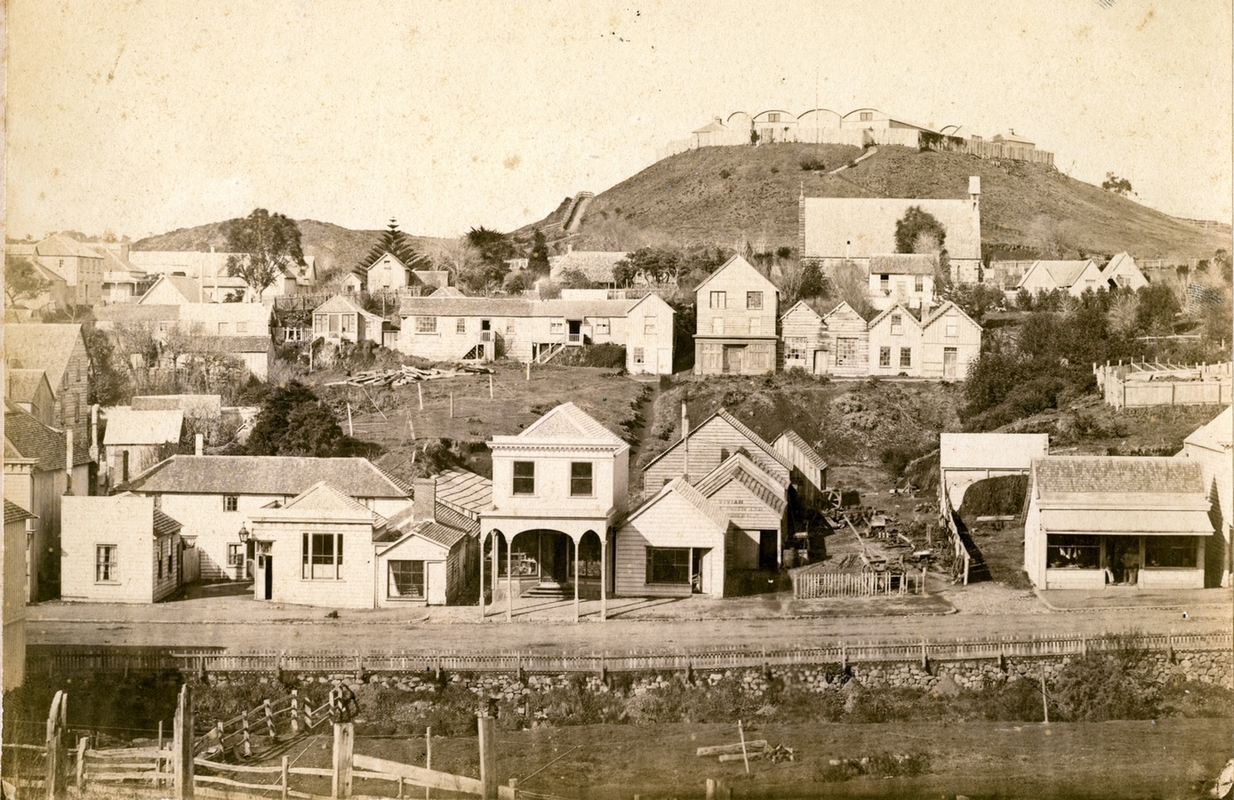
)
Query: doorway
[
  {"x": 949, "y": 363},
  {"x": 269, "y": 577},
  {"x": 734, "y": 357},
  {"x": 575, "y": 328},
  {"x": 820, "y": 362},
  {"x": 768, "y": 549},
  {"x": 1122, "y": 560}
]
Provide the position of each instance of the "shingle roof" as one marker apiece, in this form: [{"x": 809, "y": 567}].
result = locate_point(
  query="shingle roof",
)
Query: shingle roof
[
  {"x": 903, "y": 264},
  {"x": 263, "y": 475},
  {"x": 566, "y": 423},
  {"x": 193, "y": 405},
  {"x": 165, "y": 525},
  {"x": 45, "y": 347},
  {"x": 60, "y": 245},
  {"x": 127, "y": 426},
  {"x": 1117, "y": 475},
  {"x": 27, "y": 438},
  {"x": 446, "y": 530},
  {"x": 680, "y": 486},
  {"x": 803, "y": 447},
  {"x": 757, "y": 440},
  {"x": 341, "y": 304},
  {"x": 740, "y": 468},
  {"x": 1062, "y": 273},
  {"x": 465, "y": 490},
  {"x": 841, "y": 227},
  {"x": 14, "y": 513},
  {"x": 128, "y": 313},
  {"x": 597, "y": 265},
  {"x": 447, "y": 291},
  {"x": 23, "y": 384}
]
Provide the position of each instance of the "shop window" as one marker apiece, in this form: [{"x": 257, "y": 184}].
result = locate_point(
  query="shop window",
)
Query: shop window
[
  {"x": 1178, "y": 552},
  {"x": 322, "y": 556},
  {"x": 669, "y": 565},
  {"x": 1073, "y": 551},
  {"x": 405, "y": 580}
]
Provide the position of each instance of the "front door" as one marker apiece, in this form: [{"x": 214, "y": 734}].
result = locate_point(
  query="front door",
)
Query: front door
[
  {"x": 733, "y": 359},
  {"x": 576, "y": 331},
  {"x": 768, "y": 546},
  {"x": 269, "y": 577},
  {"x": 696, "y": 570},
  {"x": 949, "y": 363},
  {"x": 820, "y": 362}
]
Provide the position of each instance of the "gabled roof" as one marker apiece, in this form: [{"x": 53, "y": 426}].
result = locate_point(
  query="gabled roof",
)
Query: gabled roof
[
  {"x": 843, "y": 308},
  {"x": 45, "y": 347},
  {"x": 597, "y": 265},
  {"x": 942, "y": 310},
  {"x": 193, "y": 405},
  {"x": 893, "y": 309},
  {"x": 903, "y": 264},
  {"x": 263, "y": 475},
  {"x": 59, "y": 244},
  {"x": 445, "y": 530},
  {"x": 1115, "y": 478},
  {"x": 14, "y": 513},
  {"x": 322, "y": 499},
  {"x": 567, "y": 424},
  {"x": 127, "y": 426},
  {"x": 464, "y": 490},
  {"x": 188, "y": 288},
  {"x": 1063, "y": 274},
  {"x": 738, "y": 467},
  {"x": 448, "y": 291},
  {"x": 712, "y": 127},
  {"x": 23, "y": 384},
  {"x": 843, "y": 227},
  {"x": 25, "y": 438},
  {"x": 341, "y": 304},
  {"x": 1121, "y": 261},
  {"x": 682, "y": 488},
  {"x": 991, "y": 450},
  {"x": 165, "y": 525},
  {"x": 1216, "y": 435},
  {"x": 802, "y": 446},
  {"x": 738, "y": 264},
  {"x": 722, "y": 414},
  {"x": 802, "y": 304}
]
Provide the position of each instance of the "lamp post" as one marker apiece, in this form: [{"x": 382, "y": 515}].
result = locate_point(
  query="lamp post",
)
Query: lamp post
[{"x": 245, "y": 536}]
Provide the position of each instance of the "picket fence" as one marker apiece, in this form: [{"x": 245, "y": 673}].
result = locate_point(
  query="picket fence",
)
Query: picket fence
[{"x": 808, "y": 585}]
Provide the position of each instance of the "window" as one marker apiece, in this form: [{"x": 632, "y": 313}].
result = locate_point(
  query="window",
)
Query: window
[
  {"x": 556, "y": 328},
  {"x": 867, "y": 116},
  {"x": 884, "y": 283},
  {"x": 334, "y": 323},
  {"x": 897, "y": 324},
  {"x": 242, "y": 327},
  {"x": 649, "y": 325},
  {"x": 235, "y": 555},
  {"x": 158, "y": 560},
  {"x": 953, "y": 328},
  {"x": 1072, "y": 551},
  {"x": 349, "y": 323},
  {"x": 293, "y": 335},
  {"x": 773, "y": 117},
  {"x": 231, "y": 502},
  {"x": 906, "y": 357},
  {"x": 1178, "y": 552},
  {"x": 524, "y": 477},
  {"x": 106, "y": 563},
  {"x": 580, "y": 479},
  {"x": 668, "y": 565},
  {"x": 717, "y": 325},
  {"x": 602, "y": 326},
  {"x": 509, "y": 329},
  {"x": 405, "y": 580},
  {"x": 319, "y": 323},
  {"x": 884, "y": 356},
  {"x": 754, "y": 301},
  {"x": 322, "y": 556},
  {"x": 639, "y": 358},
  {"x": 846, "y": 351},
  {"x": 918, "y": 283},
  {"x": 756, "y": 326},
  {"x": 426, "y": 324},
  {"x": 460, "y": 326},
  {"x": 719, "y": 300},
  {"x": 794, "y": 348}
]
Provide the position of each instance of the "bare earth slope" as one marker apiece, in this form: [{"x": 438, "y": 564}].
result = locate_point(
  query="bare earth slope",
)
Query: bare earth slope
[{"x": 731, "y": 195}]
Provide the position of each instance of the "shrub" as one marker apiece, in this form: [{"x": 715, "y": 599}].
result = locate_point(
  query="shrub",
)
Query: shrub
[
  {"x": 895, "y": 458},
  {"x": 1107, "y": 685},
  {"x": 725, "y": 173},
  {"x": 813, "y": 165}
]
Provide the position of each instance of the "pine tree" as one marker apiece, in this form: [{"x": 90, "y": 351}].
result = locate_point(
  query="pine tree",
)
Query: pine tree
[{"x": 396, "y": 243}]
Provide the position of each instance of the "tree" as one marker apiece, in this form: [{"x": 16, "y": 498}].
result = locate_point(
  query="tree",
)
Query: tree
[
  {"x": 22, "y": 281},
  {"x": 919, "y": 231},
  {"x": 537, "y": 259},
  {"x": 1222, "y": 260},
  {"x": 575, "y": 279},
  {"x": 1156, "y": 308},
  {"x": 494, "y": 250},
  {"x": 263, "y": 245},
  {"x": 850, "y": 283},
  {"x": 109, "y": 384},
  {"x": 294, "y": 422},
  {"x": 457, "y": 257},
  {"x": 517, "y": 282},
  {"x": 1117, "y": 185},
  {"x": 396, "y": 243},
  {"x": 652, "y": 264}
]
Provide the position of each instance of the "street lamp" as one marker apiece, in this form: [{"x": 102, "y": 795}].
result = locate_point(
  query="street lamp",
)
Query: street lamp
[{"x": 244, "y": 533}]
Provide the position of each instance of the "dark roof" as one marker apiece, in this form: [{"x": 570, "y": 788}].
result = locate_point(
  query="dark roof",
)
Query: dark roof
[
  {"x": 441, "y": 530},
  {"x": 903, "y": 264},
  {"x": 14, "y": 513},
  {"x": 264, "y": 475},
  {"x": 23, "y": 384},
  {"x": 1118, "y": 475},
  {"x": 26, "y": 437},
  {"x": 45, "y": 347},
  {"x": 165, "y": 525}
]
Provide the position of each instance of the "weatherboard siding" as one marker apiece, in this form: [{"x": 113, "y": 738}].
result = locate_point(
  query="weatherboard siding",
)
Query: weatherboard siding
[
  {"x": 844, "y": 323},
  {"x": 671, "y": 522},
  {"x": 934, "y": 340},
  {"x": 801, "y": 323},
  {"x": 750, "y": 515},
  {"x": 709, "y": 446}
]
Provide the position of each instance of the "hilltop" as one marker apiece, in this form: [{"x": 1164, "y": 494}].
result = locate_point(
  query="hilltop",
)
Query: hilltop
[
  {"x": 332, "y": 245},
  {"x": 732, "y": 195}
]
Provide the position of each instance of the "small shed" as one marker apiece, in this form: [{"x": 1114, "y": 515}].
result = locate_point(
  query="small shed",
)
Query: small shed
[
  {"x": 809, "y": 468},
  {"x": 425, "y": 557},
  {"x": 118, "y": 549}
]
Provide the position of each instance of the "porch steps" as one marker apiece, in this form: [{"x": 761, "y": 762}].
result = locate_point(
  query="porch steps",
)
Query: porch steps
[{"x": 550, "y": 589}]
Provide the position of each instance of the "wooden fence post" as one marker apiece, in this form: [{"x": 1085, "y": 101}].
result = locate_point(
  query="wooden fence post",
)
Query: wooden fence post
[
  {"x": 81, "y": 762},
  {"x": 182, "y": 744},
  {"x": 286, "y": 780},
  {"x": 488, "y": 756},
  {"x": 295, "y": 712},
  {"x": 54, "y": 780},
  {"x": 244, "y": 735},
  {"x": 428, "y": 760},
  {"x": 344, "y": 743},
  {"x": 269, "y": 717}
]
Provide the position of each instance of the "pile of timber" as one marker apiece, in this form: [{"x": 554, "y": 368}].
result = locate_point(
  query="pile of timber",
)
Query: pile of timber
[
  {"x": 757, "y": 748},
  {"x": 407, "y": 375}
]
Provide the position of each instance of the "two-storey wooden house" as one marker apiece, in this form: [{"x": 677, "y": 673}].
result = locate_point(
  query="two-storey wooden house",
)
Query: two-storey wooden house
[{"x": 736, "y": 309}]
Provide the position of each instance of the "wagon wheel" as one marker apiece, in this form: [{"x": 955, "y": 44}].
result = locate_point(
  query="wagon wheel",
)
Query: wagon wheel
[{"x": 831, "y": 498}]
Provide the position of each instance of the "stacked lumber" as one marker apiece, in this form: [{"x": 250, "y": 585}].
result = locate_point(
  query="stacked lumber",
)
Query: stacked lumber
[
  {"x": 407, "y": 375},
  {"x": 757, "y": 748}
]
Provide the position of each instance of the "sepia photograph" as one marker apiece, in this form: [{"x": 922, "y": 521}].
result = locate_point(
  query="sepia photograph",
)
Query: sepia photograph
[{"x": 606, "y": 400}]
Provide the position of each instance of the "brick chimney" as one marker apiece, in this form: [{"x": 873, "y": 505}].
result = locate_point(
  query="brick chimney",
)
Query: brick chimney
[{"x": 424, "y": 500}]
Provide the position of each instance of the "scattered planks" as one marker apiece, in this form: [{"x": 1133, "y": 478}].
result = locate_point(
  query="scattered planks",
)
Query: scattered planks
[
  {"x": 407, "y": 375},
  {"x": 757, "y": 748}
]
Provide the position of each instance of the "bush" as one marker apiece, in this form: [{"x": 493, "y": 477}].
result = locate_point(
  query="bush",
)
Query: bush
[
  {"x": 813, "y": 165},
  {"x": 895, "y": 458},
  {"x": 1107, "y": 685},
  {"x": 725, "y": 173}
]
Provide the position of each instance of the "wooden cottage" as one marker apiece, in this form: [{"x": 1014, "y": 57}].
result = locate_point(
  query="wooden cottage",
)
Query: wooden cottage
[
  {"x": 736, "y": 332},
  {"x": 950, "y": 342},
  {"x": 845, "y": 344},
  {"x": 709, "y": 445},
  {"x": 895, "y": 343},
  {"x": 754, "y": 502},
  {"x": 803, "y": 337}
]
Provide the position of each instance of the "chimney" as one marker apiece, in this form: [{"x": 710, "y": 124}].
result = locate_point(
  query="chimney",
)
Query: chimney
[
  {"x": 685, "y": 438},
  {"x": 68, "y": 461},
  {"x": 424, "y": 500},
  {"x": 199, "y": 444}
]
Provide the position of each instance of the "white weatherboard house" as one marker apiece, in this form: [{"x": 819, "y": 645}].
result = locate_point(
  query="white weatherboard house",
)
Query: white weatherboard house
[
  {"x": 1212, "y": 446},
  {"x": 737, "y": 308},
  {"x": 558, "y": 489},
  {"x": 1096, "y": 521},
  {"x": 119, "y": 549},
  {"x": 216, "y": 496},
  {"x": 940, "y": 345},
  {"x": 1122, "y": 271},
  {"x": 756, "y": 504},
  {"x": 1072, "y": 277}
]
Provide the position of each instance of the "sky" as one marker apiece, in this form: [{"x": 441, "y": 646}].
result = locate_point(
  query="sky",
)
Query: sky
[{"x": 143, "y": 116}]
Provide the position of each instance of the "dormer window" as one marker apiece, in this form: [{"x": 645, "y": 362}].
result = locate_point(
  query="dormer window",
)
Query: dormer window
[{"x": 524, "y": 478}]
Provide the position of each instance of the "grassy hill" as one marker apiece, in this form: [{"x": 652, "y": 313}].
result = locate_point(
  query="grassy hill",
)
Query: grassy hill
[
  {"x": 732, "y": 195},
  {"x": 334, "y": 246}
]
